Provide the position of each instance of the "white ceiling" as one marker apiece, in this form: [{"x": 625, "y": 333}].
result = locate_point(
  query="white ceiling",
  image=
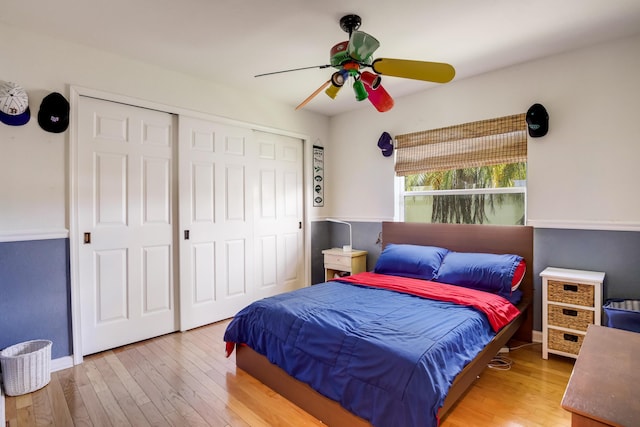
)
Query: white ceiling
[{"x": 229, "y": 41}]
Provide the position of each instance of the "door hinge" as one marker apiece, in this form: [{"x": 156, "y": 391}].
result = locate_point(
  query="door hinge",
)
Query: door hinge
[
  {"x": 87, "y": 238},
  {"x": 300, "y": 225},
  {"x": 186, "y": 234}
]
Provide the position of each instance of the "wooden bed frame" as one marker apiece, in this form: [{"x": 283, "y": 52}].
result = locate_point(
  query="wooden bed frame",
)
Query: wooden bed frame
[{"x": 457, "y": 237}]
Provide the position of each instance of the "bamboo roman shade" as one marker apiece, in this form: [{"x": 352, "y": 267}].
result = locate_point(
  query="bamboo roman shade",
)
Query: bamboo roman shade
[{"x": 482, "y": 143}]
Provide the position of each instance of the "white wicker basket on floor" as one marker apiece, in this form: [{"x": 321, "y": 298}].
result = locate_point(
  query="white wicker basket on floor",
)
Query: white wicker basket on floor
[{"x": 26, "y": 366}]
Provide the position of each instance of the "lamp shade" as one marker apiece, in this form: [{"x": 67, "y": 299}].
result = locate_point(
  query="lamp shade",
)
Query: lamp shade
[
  {"x": 360, "y": 90},
  {"x": 339, "y": 77},
  {"x": 370, "y": 79},
  {"x": 380, "y": 98},
  {"x": 332, "y": 91}
]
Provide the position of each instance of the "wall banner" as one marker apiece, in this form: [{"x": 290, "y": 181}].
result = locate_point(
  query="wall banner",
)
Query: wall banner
[{"x": 318, "y": 176}]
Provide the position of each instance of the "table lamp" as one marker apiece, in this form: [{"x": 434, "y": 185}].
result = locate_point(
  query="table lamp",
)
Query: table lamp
[{"x": 345, "y": 248}]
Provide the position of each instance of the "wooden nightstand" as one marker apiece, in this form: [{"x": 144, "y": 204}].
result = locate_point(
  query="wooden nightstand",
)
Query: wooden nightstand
[
  {"x": 337, "y": 261},
  {"x": 571, "y": 301}
]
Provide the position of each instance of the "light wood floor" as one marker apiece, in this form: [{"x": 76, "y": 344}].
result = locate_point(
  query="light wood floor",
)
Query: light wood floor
[{"x": 183, "y": 379}]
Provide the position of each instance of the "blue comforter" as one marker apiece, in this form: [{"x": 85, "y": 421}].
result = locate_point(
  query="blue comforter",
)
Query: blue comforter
[{"x": 386, "y": 356}]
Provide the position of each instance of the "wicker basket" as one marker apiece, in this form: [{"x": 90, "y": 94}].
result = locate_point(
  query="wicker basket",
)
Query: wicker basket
[
  {"x": 571, "y": 293},
  {"x": 571, "y": 318},
  {"x": 565, "y": 341},
  {"x": 26, "y": 366}
]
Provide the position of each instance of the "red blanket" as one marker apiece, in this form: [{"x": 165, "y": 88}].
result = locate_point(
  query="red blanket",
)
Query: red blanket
[{"x": 498, "y": 310}]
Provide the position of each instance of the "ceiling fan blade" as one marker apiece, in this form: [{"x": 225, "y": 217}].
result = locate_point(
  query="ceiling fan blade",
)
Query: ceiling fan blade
[
  {"x": 320, "y": 67},
  {"x": 361, "y": 46},
  {"x": 437, "y": 72},
  {"x": 380, "y": 98},
  {"x": 313, "y": 95}
]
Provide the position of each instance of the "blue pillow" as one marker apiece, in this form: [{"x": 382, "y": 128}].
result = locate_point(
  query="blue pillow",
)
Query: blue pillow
[
  {"x": 417, "y": 262},
  {"x": 485, "y": 272}
]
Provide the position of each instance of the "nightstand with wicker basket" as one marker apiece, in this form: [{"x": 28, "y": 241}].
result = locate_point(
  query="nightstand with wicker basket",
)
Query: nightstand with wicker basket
[{"x": 571, "y": 301}]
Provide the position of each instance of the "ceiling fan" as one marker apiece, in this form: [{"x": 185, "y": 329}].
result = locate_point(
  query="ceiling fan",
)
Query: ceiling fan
[{"x": 351, "y": 57}]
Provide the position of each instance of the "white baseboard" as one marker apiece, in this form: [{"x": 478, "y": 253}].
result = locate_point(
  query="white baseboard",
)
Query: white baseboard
[
  {"x": 536, "y": 336},
  {"x": 60, "y": 364}
]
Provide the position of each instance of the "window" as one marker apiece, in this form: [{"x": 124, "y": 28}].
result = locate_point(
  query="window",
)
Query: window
[
  {"x": 483, "y": 195},
  {"x": 473, "y": 173}
]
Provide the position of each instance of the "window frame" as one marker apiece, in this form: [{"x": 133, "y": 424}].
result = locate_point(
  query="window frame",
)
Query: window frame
[{"x": 400, "y": 194}]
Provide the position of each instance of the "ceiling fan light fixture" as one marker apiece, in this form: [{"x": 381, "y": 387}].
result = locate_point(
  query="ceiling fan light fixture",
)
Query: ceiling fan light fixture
[
  {"x": 360, "y": 90},
  {"x": 380, "y": 98},
  {"x": 332, "y": 91},
  {"x": 370, "y": 79},
  {"x": 339, "y": 77}
]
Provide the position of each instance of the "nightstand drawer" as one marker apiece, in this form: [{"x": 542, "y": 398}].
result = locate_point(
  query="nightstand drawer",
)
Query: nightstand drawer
[
  {"x": 337, "y": 261},
  {"x": 571, "y": 293},
  {"x": 568, "y": 342},
  {"x": 570, "y": 318}
]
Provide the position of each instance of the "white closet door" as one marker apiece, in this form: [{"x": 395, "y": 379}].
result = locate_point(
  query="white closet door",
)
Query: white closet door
[
  {"x": 241, "y": 208},
  {"x": 278, "y": 215},
  {"x": 217, "y": 169},
  {"x": 126, "y": 222}
]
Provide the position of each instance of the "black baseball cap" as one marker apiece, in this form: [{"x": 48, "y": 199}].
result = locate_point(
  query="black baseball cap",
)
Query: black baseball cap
[
  {"x": 54, "y": 113},
  {"x": 537, "y": 121}
]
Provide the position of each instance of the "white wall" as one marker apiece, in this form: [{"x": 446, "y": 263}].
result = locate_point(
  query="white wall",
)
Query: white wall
[
  {"x": 583, "y": 174},
  {"x": 34, "y": 164}
]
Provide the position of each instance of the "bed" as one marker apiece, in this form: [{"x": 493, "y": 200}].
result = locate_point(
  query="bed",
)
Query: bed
[{"x": 455, "y": 237}]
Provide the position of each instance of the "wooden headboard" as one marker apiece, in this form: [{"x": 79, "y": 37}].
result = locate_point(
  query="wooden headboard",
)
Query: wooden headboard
[{"x": 496, "y": 239}]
